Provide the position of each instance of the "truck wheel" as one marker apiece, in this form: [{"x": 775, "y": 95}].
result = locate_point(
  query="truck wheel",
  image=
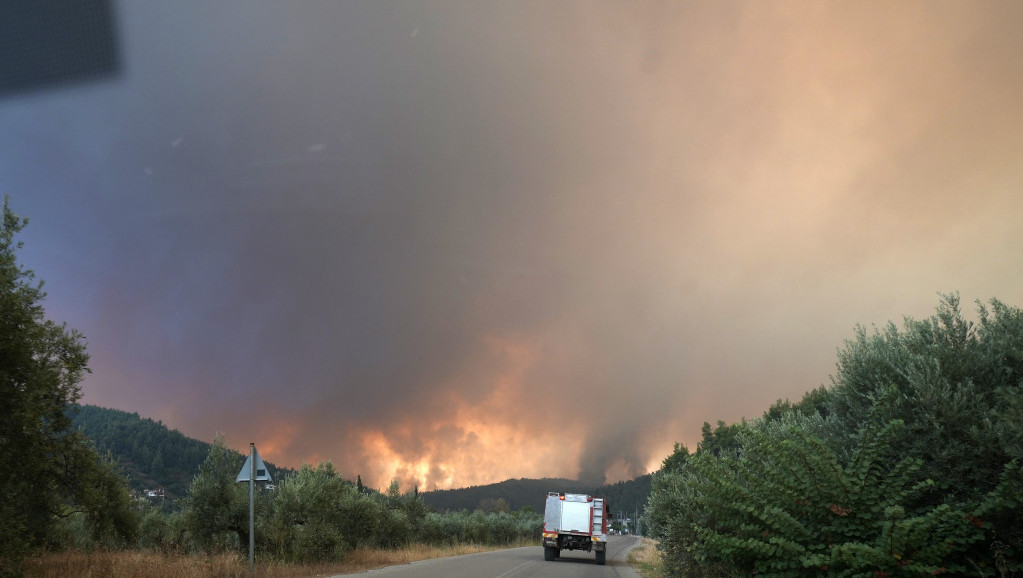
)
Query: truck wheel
[
  {"x": 557, "y": 552},
  {"x": 548, "y": 553},
  {"x": 601, "y": 557}
]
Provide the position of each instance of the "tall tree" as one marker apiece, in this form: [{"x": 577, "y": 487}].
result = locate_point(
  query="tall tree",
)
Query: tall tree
[
  {"x": 47, "y": 471},
  {"x": 41, "y": 365}
]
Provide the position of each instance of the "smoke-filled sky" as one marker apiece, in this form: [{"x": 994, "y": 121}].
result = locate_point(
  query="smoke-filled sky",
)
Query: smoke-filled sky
[{"x": 453, "y": 243}]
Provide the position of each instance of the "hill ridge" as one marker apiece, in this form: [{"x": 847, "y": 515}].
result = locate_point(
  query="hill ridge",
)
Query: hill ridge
[
  {"x": 155, "y": 457},
  {"x": 151, "y": 455}
]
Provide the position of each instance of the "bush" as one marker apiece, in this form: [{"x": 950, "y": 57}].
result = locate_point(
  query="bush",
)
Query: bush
[
  {"x": 481, "y": 528},
  {"x": 306, "y": 522},
  {"x": 904, "y": 466}
]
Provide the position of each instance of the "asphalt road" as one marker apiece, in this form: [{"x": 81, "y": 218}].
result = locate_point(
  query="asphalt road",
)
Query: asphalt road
[{"x": 520, "y": 563}]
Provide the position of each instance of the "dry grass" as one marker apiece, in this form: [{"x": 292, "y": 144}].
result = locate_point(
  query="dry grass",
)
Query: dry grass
[
  {"x": 365, "y": 558},
  {"x": 646, "y": 560},
  {"x": 138, "y": 564},
  {"x": 146, "y": 564}
]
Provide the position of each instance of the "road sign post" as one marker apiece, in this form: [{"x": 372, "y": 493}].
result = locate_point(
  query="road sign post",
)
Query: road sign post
[
  {"x": 253, "y": 469},
  {"x": 252, "y": 508}
]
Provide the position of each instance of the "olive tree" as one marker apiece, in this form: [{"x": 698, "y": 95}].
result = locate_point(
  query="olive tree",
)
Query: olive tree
[{"x": 216, "y": 510}]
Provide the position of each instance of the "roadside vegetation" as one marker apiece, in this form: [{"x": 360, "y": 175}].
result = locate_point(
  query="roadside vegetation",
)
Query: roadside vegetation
[
  {"x": 907, "y": 464},
  {"x": 311, "y": 522},
  {"x": 646, "y": 559}
]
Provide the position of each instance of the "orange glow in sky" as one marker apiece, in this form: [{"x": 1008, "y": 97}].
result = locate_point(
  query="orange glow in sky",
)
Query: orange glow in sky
[{"x": 452, "y": 243}]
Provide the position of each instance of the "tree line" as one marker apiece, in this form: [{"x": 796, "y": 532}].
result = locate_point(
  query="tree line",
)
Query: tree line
[
  {"x": 626, "y": 496},
  {"x": 313, "y": 515},
  {"x": 906, "y": 464}
]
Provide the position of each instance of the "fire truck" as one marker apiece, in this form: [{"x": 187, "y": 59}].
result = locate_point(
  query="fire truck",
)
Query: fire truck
[{"x": 575, "y": 522}]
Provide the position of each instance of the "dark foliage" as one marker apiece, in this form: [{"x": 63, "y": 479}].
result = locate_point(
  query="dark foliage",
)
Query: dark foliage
[
  {"x": 49, "y": 474},
  {"x": 626, "y": 497},
  {"x": 907, "y": 465}
]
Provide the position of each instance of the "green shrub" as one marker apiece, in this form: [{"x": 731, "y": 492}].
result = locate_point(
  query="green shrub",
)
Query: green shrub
[
  {"x": 308, "y": 518},
  {"x": 907, "y": 464},
  {"x": 786, "y": 505}
]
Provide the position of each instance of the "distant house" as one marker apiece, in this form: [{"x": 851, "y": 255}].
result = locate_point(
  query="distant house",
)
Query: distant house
[{"x": 154, "y": 494}]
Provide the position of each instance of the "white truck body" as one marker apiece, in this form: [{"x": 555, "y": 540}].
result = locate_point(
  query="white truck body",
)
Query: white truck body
[{"x": 575, "y": 522}]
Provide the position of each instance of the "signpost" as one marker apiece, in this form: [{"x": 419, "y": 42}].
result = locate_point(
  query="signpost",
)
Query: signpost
[{"x": 254, "y": 469}]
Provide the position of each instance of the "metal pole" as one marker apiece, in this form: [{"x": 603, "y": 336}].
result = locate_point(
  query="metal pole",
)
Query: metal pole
[{"x": 252, "y": 509}]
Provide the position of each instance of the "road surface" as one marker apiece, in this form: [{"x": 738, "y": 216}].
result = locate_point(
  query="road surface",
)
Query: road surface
[{"x": 519, "y": 563}]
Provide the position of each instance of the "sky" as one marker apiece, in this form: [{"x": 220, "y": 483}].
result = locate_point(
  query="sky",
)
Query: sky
[{"x": 452, "y": 243}]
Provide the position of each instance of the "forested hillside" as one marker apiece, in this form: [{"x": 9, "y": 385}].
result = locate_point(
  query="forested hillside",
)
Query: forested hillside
[
  {"x": 151, "y": 455},
  {"x": 628, "y": 496}
]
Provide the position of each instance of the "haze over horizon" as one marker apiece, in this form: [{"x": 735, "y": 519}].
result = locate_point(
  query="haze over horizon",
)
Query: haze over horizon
[{"x": 403, "y": 236}]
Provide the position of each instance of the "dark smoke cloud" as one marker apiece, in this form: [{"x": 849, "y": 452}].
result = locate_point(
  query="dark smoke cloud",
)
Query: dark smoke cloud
[{"x": 453, "y": 243}]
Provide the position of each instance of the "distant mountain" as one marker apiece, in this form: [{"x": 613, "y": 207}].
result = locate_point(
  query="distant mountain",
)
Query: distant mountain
[
  {"x": 623, "y": 497},
  {"x": 152, "y": 456}
]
